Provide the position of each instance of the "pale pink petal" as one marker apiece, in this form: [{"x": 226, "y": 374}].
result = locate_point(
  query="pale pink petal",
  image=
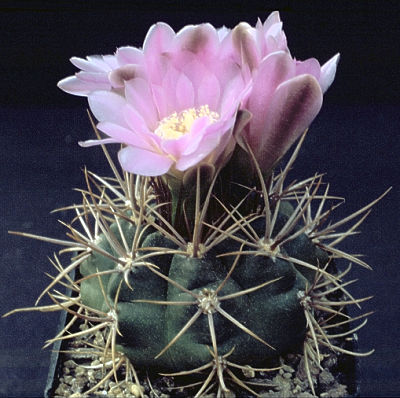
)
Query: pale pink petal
[
  {"x": 180, "y": 59},
  {"x": 134, "y": 119},
  {"x": 138, "y": 94},
  {"x": 103, "y": 62},
  {"x": 158, "y": 39},
  {"x": 156, "y": 50},
  {"x": 184, "y": 93},
  {"x": 129, "y": 55},
  {"x": 225, "y": 50},
  {"x": 173, "y": 147},
  {"x": 124, "y": 135},
  {"x": 275, "y": 38},
  {"x": 272, "y": 19},
  {"x": 120, "y": 75},
  {"x": 156, "y": 68},
  {"x": 293, "y": 107},
  {"x": 86, "y": 65},
  {"x": 223, "y": 33},
  {"x": 270, "y": 36},
  {"x": 168, "y": 101},
  {"x": 185, "y": 162},
  {"x": 211, "y": 137},
  {"x": 195, "y": 70},
  {"x": 111, "y": 61},
  {"x": 328, "y": 72},
  {"x": 198, "y": 39},
  {"x": 92, "y": 63},
  {"x": 195, "y": 136},
  {"x": 188, "y": 142},
  {"x": 209, "y": 91},
  {"x": 231, "y": 95},
  {"x": 260, "y": 37},
  {"x": 107, "y": 106},
  {"x": 246, "y": 45},
  {"x": 76, "y": 86},
  {"x": 161, "y": 101},
  {"x": 273, "y": 70},
  {"x": 226, "y": 71},
  {"x": 142, "y": 162},
  {"x": 309, "y": 66},
  {"x": 97, "y": 80}
]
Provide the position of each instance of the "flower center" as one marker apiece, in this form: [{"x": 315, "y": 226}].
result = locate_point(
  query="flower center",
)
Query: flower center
[{"x": 178, "y": 124}]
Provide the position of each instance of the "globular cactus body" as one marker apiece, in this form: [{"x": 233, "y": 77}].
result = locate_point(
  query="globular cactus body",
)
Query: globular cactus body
[
  {"x": 226, "y": 295},
  {"x": 268, "y": 321}
]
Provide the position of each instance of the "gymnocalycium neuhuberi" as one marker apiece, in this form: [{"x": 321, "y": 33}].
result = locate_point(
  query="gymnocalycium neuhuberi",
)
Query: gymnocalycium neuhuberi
[{"x": 196, "y": 256}]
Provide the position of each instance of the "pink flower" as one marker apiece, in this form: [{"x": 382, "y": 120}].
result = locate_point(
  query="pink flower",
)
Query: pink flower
[
  {"x": 174, "y": 102},
  {"x": 109, "y": 72},
  {"x": 286, "y": 94},
  {"x": 104, "y": 72},
  {"x": 179, "y": 109}
]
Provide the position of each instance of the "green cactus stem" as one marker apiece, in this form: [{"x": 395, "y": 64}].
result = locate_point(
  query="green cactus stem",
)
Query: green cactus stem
[{"x": 232, "y": 291}]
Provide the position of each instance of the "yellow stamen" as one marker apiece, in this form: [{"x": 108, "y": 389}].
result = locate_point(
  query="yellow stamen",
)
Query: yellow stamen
[{"x": 178, "y": 124}]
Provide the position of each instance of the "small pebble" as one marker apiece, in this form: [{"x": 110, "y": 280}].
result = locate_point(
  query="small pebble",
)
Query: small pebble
[
  {"x": 115, "y": 390},
  {"x": 76, "y": 395},
  {"x": 296, "y": 390},
  {"x": 326, "y": 378},
  {"x": 288, "y": 368},
  {"x": 135, "y": 390},
  {"x": 70, "y": 364},
  {"x": 80, "y": 371},
  {"x": 69, "y": 379}
]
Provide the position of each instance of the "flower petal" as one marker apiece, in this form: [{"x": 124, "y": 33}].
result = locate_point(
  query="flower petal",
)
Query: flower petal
[
  {"x": 158, "y": 39},
  {"x": 328, "y": 72},
  {"x": 293, "y": 107},
  {"x": 272, "y": 19},
  {"x": 107, "y": 106},
  {"x": 209, "y": 91},
  {"x": 93, "y": 63},
  {"x": 134, "y": 120},
  {"x": 245, "y": 44},
  {"x": 120, "y": 75},
  {"x": 201, "y": 40},
  {"x": 161, "y": 101},
  {"x": 187, "y": 143},
  {"x": 129, "y": 55},
  {"x": 138, "y": 94},
  {"x": 124, "y": 135},
  {"x": 184, "y": 93},
  {"x": 75, "y": 85},
  {"x": 210, "y": 140},
  {"x": 156, "y": 50},
  {"x": 273, "y": 70},
  {"x": 142, "y": 162},
  {"x": 309, "y": 66},
  {"x": 232, "y": 95}
]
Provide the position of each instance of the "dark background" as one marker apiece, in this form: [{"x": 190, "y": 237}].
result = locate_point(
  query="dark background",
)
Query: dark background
[{"x": 354, "y": 140}]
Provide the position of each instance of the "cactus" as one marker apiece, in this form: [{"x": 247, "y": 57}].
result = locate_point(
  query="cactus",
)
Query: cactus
[
  {"x": 197, "y": 258},
  {"x": 235, "y": 293}
]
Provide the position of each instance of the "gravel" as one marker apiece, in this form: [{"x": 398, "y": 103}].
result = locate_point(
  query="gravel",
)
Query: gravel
[{"x": 82, "y": 369}]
